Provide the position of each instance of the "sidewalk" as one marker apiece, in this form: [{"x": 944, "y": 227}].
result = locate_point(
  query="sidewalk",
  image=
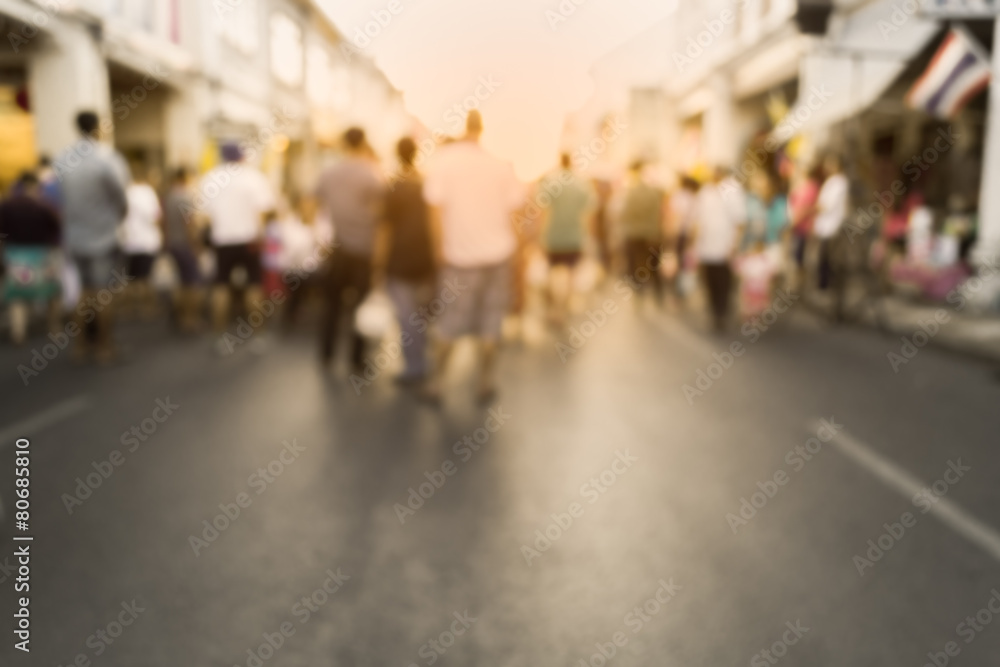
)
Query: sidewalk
[{"x": 977, "y": 335}]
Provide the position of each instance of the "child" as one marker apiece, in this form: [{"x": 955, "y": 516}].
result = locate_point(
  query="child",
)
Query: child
[
  {"x": 756, "y": 269},
  {"x": 290, "y": 252}
]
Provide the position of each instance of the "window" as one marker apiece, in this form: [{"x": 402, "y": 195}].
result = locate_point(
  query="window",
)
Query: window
[
  {"x": 319, "y": 76},
  {"x": 239, "y": 26},
  {"x": 286, "y": 49}
]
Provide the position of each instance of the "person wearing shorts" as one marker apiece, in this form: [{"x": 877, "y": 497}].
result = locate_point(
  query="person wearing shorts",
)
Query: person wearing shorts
[
  {"x": 93, "y": 179},
  {"x": 180, "y": 228},
  {"x": 473, "y": 195},
  {"x": 564, "y": 234}
]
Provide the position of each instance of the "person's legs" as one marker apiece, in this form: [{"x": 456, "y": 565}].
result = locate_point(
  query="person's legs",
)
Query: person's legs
[
  {"x": 187, "y": 298},
  {"x": 359, "y": 280},
  {"x": 652, "y": 261},
  {"x": 54, "y": 315},
  {"x": 493, "y": 306},
  {"x": 487, "y": 370},
  {"x": 456, "y": 320},
  {"x": 18, "y": 313},
  {"x": 221, "y": 291},
  {"x": 442, "y": 352},
  {"x": 101, "y": 274},
  {"x": 253, "y": 294},
  {"x": 825, "y": 266},
  {"x": 332, "y": 292},
  {"x": 559, "y": 288},
  {"x": 634, "y": 256},
  {"x": 725, "y": 294},
  {"x": 405, "y": 297},
  {"x": 715, "y": 279},
  {"x": 141, "y": 269}
]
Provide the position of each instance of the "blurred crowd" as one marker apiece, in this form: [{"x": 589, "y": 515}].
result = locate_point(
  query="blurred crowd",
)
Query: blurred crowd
[{"x": 448, "y": 249}]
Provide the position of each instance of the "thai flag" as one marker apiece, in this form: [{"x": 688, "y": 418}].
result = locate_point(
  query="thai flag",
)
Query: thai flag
[{"x": 957, "y": 73}]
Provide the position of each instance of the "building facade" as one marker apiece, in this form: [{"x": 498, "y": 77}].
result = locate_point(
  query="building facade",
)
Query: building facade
[{"x": 172, "y": 79}]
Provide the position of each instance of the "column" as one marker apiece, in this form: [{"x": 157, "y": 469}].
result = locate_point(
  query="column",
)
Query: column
[
  {"x": 719, "y": 124},
  {"x": 989, "y": 194},
  {"x": 66, "y": 75}
]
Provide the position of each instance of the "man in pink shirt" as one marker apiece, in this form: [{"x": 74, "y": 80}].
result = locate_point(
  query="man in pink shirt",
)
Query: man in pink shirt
[{"x": 472, "y": 195}]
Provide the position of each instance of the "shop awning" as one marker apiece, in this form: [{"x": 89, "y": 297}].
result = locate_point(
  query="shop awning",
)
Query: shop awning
[{"x": 856, "y": 63}]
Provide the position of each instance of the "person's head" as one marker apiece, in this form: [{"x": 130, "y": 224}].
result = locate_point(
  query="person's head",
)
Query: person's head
[
  {"x": 832, "y": 164},
  {"x": 406, "y": 150},
  {"x": 139, "y": 170},
  {"x": 87, "y": 123},
  {"x": 635, "y": 168},
  {"x": 762, "y": 184},
  {"x": 565, "y": 162},
  {"x": 689, "y": 183},
  {"x": 354, "y": 141},
  {"x": 473, "y": 125},
  {"x": 180, "y": 177},
  {"x": 305, "y": 207},
  {"x": 815, "y": 172},
  {"x": 44, "y": 162},
  {"x": 27, "y": 184},
  {"x": 231, "y": 152},
  {"x": 721, "y": 173}
]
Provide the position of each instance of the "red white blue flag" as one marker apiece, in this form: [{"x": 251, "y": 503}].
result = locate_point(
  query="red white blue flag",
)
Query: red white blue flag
[{"x": 958, "y": 72}]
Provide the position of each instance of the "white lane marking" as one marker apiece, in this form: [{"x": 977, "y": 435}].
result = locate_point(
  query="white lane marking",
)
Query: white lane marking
[
  {"x": 683, "y": 335},
  {"x": 50, "y": 416},
  {"x": 948, "y": 512}
]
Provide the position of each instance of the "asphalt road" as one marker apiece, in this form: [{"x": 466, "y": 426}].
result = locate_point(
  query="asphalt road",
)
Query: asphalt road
[{"x": 634, "y": 485}]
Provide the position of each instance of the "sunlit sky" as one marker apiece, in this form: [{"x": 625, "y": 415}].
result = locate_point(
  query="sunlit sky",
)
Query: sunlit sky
[{"x": 437, "y": 51}]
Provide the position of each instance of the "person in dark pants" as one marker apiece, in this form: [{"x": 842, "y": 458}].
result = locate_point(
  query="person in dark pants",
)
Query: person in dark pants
[
  {"x": 409, "y": 264},
  {"x": 642, "y": 226},
  {"x": 715, "y": 239},
  {"x": 350, "y": 193}
]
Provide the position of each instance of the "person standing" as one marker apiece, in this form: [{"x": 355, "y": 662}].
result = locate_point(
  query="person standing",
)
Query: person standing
[
  {"x": 474, "y": 195},
  {"x": 716, "y": 234},
  {"x": 30, "y": 232},
  {"x": 680, "y": 226},
  {"x": 768, "y": 219},
  {"x": 181, "y": 227},
  {"x": 642, "y": 226},
  {"x": 238, "y": 198},
  {"x": 602, "y": 190},
  {"x": 350, "y": 194},
  {"x": 93, "y": 179},
  {"x": 409, "y": 261},
  {"x": 831, "y": 212},
  {"x": 141, "y": 239},
  {"x": 564, "y": 234},
  {"x": 802, "y": 204}
]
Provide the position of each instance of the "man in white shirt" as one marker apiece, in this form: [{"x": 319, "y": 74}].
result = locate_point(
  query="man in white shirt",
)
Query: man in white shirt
[
  {"x": 472, "y": 195},
  {"x": 718, "y": 228},
  {"x": 831, "y": 213},
  {"x": 237, "y": 198}
]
